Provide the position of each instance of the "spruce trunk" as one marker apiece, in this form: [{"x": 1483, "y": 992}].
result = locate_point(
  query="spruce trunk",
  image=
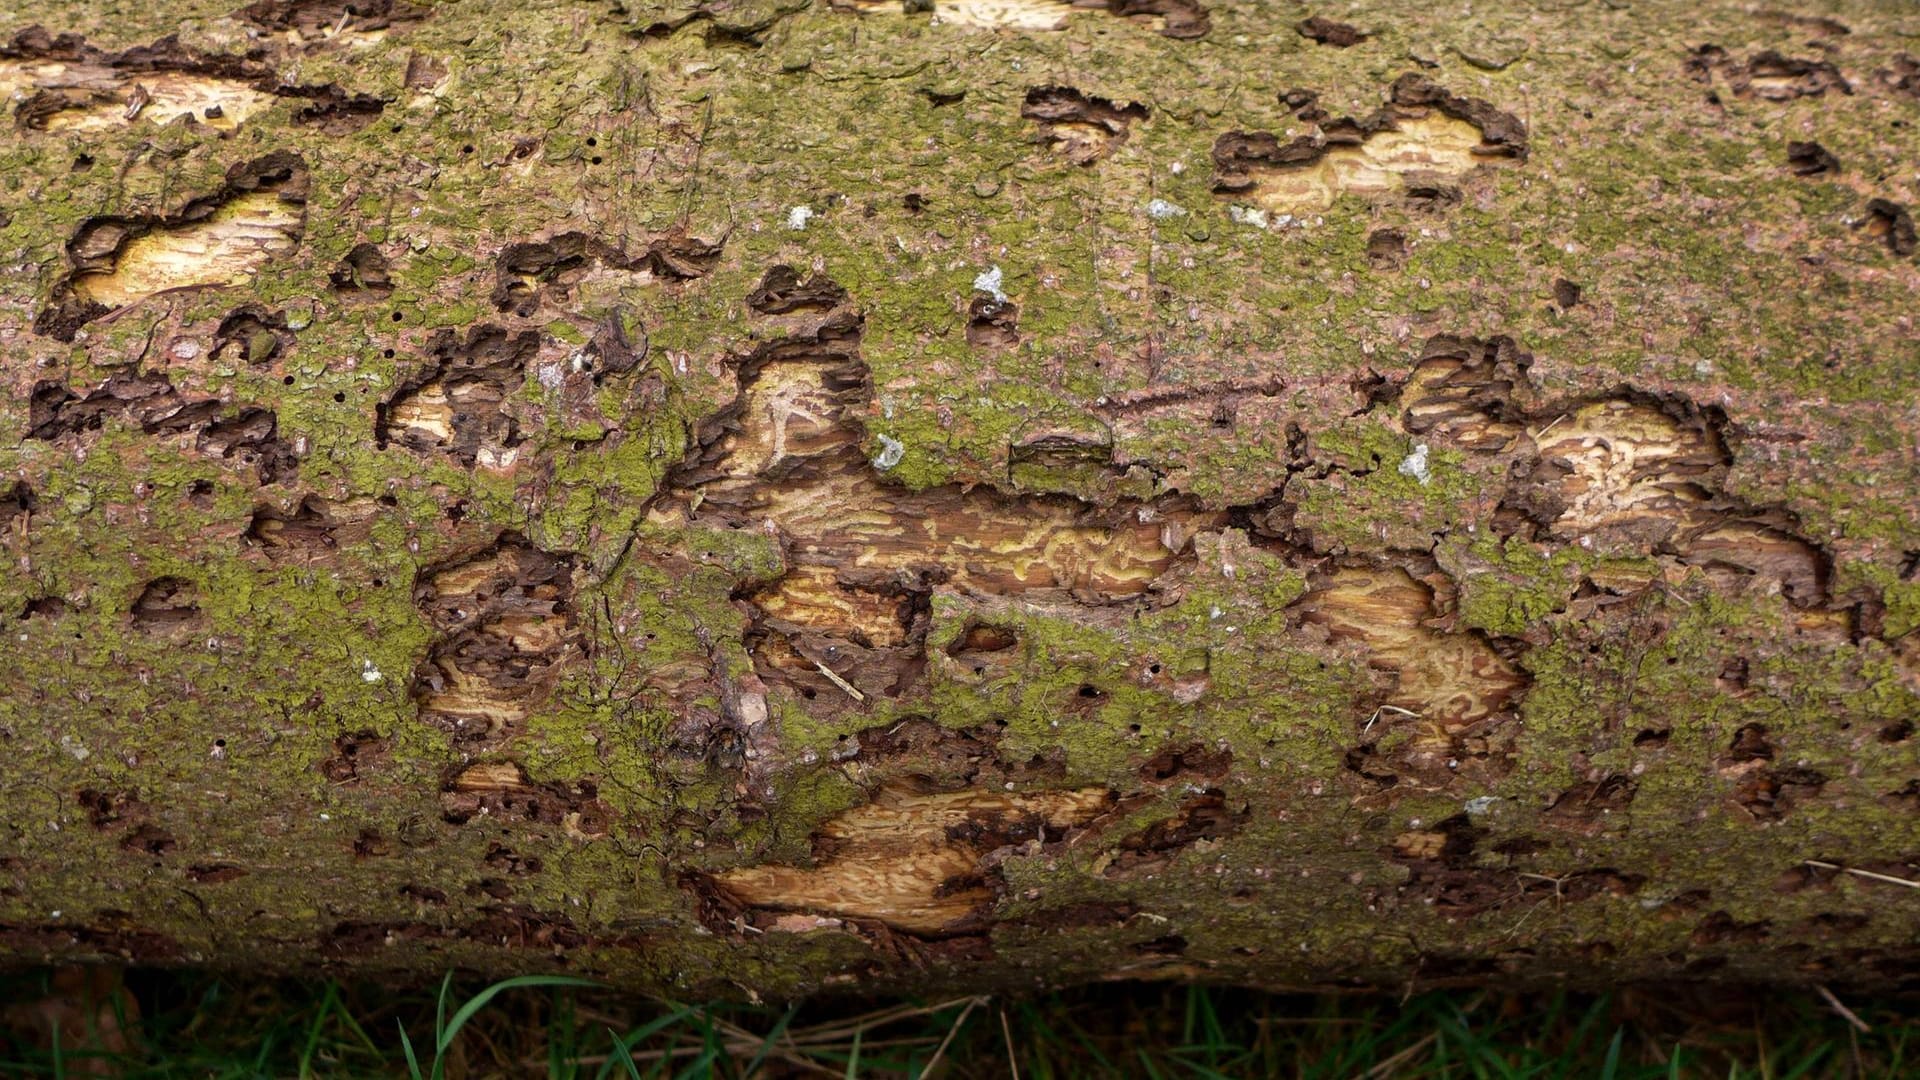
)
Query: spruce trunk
[{"x": 751, "y": 497}]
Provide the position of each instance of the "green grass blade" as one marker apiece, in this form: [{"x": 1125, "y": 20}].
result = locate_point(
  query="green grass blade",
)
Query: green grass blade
[
  {"x": 1610, "y": 1068},
  {"x": 624, "y": 1044},
  {"x": 328, "y": 1001},
  {"x": 480, "y": 1000},
  {"x": 406, "y": 1046},
  {"x": 766, "y": 1046},
  {"x": 620, "y": 1055},
  {"x": 853, "y": 1056}
]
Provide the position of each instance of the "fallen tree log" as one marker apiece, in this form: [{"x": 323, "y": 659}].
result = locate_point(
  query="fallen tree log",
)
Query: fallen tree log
[{"x": 760, "y": 496}]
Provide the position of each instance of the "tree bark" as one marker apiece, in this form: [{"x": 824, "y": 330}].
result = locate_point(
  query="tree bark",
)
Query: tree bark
[{"x": 748, "y": 497}]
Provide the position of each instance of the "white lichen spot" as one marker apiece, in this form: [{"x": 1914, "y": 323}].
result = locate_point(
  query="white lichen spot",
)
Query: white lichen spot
[
  {"x": 989, "y": 281},
  {"x": 73, "y": 747},
  {"x": 369, "y": 673},
  {"x": 1177, "y": 168},
  {"x": 1415, "y": 465},
  {"x": 798, "y": 217},
  {"x": 891, "y": 451},
  {"x": 1250, "y": 215},
  {"x": 1481, "y": 805},
  {"x": 1161, "y": 210}
]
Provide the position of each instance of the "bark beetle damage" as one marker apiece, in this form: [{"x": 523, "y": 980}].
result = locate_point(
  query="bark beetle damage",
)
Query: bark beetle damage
[
  {"x": 1081, "y": 128},
  {"x": 1326, "y": 31},
  {"x": 1811, "y": 159},
  {"x": 1764, "y": 790},
  {"x": 502, "y": 791},
  {"x": 1421, "y": 142},
  {"x": 1589, "y": 808},
  {"x": 108, "y": 939},
  {"x": 110, "y": 809},
  {"x": 992, "y": 323},
  {"x": 166, "y": 605},
  {"x": 847, "y": 621},
  {"x": 63, "y": 84},
  {"x": 311, "y": 528},
  {"x": 1452, "y": 705},
  {"x": 364, "y": 270},
  {"x": 310, "y": 20},
  {"x": 252, "y": 334},
  {"x": 514, "y": 927},
  {"x": 1198, "y": 823},
  {"x": 1904, "y": 76},
  {"x": 1183, "y": 19},
  {"x": 919, "y": 863},
  {"x": 527, "y": 274},
  {"x": 247, "y": 434},
  {"x": 353, "y": 752},
  {"x": 67, "y": 85},
  {"x": 782, "y": 292},
  {"x": 1767, "y": 75},
  {"x": 457, "y": 405},
  {"x": 725, "y": 22},
  {"x": 1623, "y": 473},
  {"x": 1892, "y": 224},
  {"x": 17, "y": 500},
  {"x": 505, "y": 633},
  {"x": 219, "y": 239},
  {"x": 920, "y": 860},
  {"x": 1443, "y": 871}
]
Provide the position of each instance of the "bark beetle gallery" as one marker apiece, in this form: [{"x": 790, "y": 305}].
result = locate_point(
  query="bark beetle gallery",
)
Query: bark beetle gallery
[{"x": 748, "y": 497}]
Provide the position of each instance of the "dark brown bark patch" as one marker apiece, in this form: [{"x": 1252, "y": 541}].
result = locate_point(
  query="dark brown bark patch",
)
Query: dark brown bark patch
[
  {"x": 506, "y": 632},
  {"x": 215, "y": 873},
  {"x": 1387, "y": 249},
  {"x": 1892, "y": 223},
  {"x": 502, "y": 791},
  {"x": 17, "y": 500},
  {"x": 1767, "y": 75},
  {"x": 323, "y": 18},
  {"x": 252, "y": 334},
  {"x": 353, "y": 753},
  {"x": 1197, "y": 823},
  {"x": 1811, "y": 159},
  {"x": 364, "y": 269},
  {"x": 110, "y": 809},
  {"x": 530, "y": 273},
  {"x": 782, "y": 292},
  {"x": 1078, "y": 126},
  {"x": 457, "y": 404},
  {"x": 312, "y": 528},
  {"x": 993, "y": 323},
  {"x": 166, "y": 605},
  {"x": 1325, "y": 31}
]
